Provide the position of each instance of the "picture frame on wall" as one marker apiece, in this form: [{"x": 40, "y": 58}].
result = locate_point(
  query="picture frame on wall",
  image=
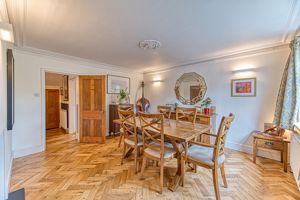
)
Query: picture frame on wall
[
  {"x": 66, "y": 88},
  {"x": 116, "y": 83},
  {"x": 245, "y": 87},
  {"x": 10, "y": 90}
]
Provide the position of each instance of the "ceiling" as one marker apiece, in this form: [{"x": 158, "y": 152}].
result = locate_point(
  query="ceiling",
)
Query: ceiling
[{"x": 108, "y": 31}]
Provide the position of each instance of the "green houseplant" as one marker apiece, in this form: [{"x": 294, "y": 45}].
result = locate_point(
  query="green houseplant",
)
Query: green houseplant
[{"x": 123, "y": 96}]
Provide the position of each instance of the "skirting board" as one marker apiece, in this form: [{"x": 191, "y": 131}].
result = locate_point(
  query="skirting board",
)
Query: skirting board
[
  {"x": 8, "y": 178},
  {"x": 28, "y": 151},
  {"x": 274, "y": 155}
]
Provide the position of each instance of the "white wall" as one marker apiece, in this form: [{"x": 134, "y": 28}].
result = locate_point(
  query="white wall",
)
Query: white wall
[
  {"x": 251, "y": 112},
  {"x": 5, "y": 136},
  {"x": 29, "y": 130}
]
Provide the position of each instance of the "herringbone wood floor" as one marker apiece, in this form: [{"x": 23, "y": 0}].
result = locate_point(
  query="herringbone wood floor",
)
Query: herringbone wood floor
[{"x": 69, "y": 170}]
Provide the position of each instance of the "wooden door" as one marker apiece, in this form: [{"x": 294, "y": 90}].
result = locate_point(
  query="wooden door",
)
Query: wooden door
[
  {"x": 92, "y": 109},
  {"x": 52, "y": 108}
]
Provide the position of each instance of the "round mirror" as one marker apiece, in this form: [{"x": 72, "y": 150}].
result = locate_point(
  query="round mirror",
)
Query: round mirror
[{"x": 190, "y": 88}]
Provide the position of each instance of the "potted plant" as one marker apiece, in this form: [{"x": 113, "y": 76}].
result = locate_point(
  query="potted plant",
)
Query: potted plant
[
  {"x": 206, "y": 103},
  {"x": 123, "y": 96}
]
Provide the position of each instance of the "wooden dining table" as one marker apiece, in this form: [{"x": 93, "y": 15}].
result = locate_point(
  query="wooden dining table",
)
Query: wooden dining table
[{"x": 179, "y": 133}]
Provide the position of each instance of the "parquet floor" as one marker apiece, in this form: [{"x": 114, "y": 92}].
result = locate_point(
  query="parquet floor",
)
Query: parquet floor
[{"x": 69, "y": 170}]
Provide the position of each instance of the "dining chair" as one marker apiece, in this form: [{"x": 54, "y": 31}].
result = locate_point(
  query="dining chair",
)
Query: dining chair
[
  {"x": 154, "y": 146},
  {"x": 123, "y": 107},
  {"x": 210, "y": 156},
  {"x": 187, "y": 114},
  {"x": 165, "y": 110},
  {"x": 132, "y": 140}
]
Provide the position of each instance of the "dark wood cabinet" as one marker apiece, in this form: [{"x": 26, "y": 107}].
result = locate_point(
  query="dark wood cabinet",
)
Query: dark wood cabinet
[{"x": 113, "y": 114}]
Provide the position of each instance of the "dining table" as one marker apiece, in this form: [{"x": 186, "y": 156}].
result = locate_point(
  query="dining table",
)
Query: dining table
[{"x": 178, "y": 133}]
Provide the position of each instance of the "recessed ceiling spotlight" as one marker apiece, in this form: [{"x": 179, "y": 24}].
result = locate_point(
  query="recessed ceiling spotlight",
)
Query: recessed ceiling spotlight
[{"x": 149, "y": 44}]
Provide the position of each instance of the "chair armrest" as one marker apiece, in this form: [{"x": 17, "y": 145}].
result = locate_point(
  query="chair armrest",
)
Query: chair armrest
[{"x": 203, "y": 144}]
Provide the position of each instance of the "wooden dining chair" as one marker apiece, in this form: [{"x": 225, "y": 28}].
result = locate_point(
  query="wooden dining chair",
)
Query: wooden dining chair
[
  {"x": 187, "y": 114},
  {"x": 165, "y": 110},
  {"x": 210, "y": 156},
  {"x": 132, "y": 141},
  {"x": 154, "y": 147},
  {"x": 123, "y": 107}
]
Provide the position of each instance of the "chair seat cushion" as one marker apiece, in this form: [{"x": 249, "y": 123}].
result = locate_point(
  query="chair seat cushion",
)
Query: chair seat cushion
[
  {"x": 130, "y": 140},
  {"x": 169, "y": 151},
  {"x": 203, "y": 155}
]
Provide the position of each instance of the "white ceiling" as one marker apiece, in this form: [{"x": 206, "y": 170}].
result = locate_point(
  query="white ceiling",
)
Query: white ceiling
[{"x": 108, "y": 31}]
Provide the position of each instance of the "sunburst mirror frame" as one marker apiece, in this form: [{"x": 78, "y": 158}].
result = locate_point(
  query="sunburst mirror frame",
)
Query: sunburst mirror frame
[{"x": 202, "y": 90}]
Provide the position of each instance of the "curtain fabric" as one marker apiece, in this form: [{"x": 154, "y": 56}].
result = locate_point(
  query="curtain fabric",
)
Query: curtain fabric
[{"x": 287, "y": 104}]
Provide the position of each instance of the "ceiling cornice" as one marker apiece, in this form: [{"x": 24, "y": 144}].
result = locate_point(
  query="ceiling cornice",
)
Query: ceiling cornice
[
  {"x": 293, "y": 22},
  {"x": 228, "y": 56},
  {"x": 17, "y": 11},
  {"x": 76, "y": 60},
  {"x": 3, "y": 11}
]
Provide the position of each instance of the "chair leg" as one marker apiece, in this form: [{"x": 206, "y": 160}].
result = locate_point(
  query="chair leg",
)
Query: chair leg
[
  {"x": 124, "y": 152},
  {"x": 144, "y": 163},
  {"x": 120, "y": 139},
  {"x": 223, "y": 175},
  {"x": 161, "y": 177},
  {"x": 135, "y": 159},
  {"x": 182, "y": 170},
  {"x": 216, "y": 184},
  {"x": 195, "y": 168}
]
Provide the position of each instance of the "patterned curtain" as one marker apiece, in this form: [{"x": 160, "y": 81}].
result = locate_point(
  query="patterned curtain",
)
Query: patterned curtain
[{"x": 288, "y": 101}]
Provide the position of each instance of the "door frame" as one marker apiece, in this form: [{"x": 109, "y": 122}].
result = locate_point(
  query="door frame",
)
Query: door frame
[{"x": 43, "y": 99}]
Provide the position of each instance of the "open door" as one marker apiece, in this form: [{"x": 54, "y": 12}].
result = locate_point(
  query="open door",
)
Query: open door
[{"x": 92, "y": 109}]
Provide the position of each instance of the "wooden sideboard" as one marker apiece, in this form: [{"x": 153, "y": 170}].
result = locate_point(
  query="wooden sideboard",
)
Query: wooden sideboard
[{"x": 113, "y": 114}]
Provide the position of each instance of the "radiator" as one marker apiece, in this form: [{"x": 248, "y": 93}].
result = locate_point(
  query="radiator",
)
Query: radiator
[{"x": 295, "y": 159}]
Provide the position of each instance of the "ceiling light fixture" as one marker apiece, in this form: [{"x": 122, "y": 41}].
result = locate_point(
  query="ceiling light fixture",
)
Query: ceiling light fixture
[
  {"x": 6, "y": 32},
  {"x": 149, "y": 44}
]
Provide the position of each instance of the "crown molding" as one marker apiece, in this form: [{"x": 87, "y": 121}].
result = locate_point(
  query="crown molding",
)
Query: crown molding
[
  {"x": 72, "y": 59},
  {"x": 224, "y": 57},
  {"x": 17, "y": 12},
  {"x": 293, "y": 22},
  {"x": 3, "y": 12}
]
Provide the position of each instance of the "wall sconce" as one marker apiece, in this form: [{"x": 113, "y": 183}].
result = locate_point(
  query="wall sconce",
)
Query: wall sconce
[
  {"x": 244, "y": 72},
  {"x": 157, "y": 82},
  {"x": 6, "y": 32}
]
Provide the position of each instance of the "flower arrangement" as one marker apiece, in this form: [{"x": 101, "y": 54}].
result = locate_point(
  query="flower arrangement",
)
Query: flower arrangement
[{"x": 206, "y": 102}]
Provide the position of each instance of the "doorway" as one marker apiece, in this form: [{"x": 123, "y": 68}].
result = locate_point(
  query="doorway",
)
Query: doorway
[{"x": 60, "y": 104}]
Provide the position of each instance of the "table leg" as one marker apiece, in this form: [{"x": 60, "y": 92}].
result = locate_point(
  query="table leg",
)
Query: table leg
[
  {"x": 285, "y": 155},
  {"x": 178, "y": 179}
]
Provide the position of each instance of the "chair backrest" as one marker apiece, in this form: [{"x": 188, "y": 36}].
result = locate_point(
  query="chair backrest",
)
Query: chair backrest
[
  {"x": 128, "y": 124},
  {"x": 153, "y": 131},
  {"x": 188, "y": 114},
  {"x": 221, "y": 135},
  {"x": 125, "y": 107},
  {"x": 165, "y": 110}
]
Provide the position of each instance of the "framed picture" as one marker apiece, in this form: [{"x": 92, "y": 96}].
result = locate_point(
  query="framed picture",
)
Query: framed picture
[
  {"x": 66, "y": 88},
  {"x": 243, "y": 87},
  {"x": 10, "y": 90},
  {"x": 116, "y": 83}
]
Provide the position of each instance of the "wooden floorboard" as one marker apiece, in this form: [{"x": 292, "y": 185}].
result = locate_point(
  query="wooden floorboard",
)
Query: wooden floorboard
[{"x": 70, "y": 170}]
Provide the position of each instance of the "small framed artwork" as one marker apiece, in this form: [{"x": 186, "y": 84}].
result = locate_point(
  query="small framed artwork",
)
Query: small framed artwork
[
  {"x": 116, "y": 83},
  {"x": 243, "y": 87},
  {"x": 66, "y": 88}
]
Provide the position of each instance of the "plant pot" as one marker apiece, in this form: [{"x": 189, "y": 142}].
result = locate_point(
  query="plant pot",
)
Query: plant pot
[{"x": 122, "y": 101}]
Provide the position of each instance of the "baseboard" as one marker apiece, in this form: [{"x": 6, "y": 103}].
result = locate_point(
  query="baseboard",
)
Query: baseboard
[
  {"x": 274, "y": 155},
  {"x": 8, "y": 178},
  {"x": 28, "y": 151}
]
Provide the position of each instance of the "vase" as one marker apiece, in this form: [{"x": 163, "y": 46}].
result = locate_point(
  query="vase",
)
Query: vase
[
  {"x": 122, "y": 101},
  {"x": 206, "y": 111}
]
